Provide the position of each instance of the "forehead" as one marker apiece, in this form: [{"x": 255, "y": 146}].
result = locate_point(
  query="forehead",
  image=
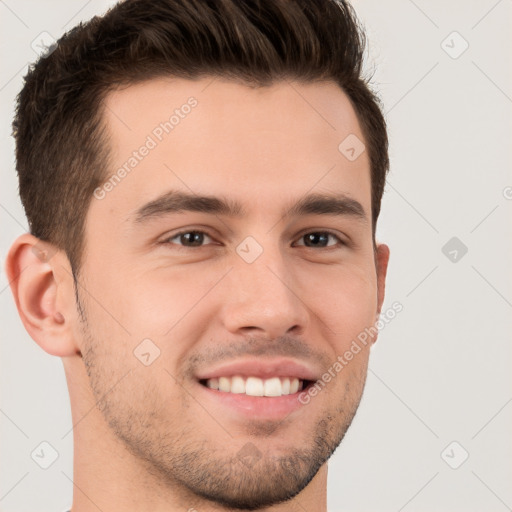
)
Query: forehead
[
  {"x": 212, "y": 135},
  {"x": 223, "y": 103}
]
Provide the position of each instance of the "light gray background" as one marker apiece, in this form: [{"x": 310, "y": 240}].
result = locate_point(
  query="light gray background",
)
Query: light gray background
[{"x": 441, "y": 370}]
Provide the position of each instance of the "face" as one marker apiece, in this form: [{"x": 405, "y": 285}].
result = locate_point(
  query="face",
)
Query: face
[{"x": 233, "y": 258}]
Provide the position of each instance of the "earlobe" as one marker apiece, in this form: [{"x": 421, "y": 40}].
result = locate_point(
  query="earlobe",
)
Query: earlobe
[{"x": 39, "y": 296}]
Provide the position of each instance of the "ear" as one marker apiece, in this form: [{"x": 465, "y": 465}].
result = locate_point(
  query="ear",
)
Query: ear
[
  {"x": 381, "y": 261},
  {"x": 43, "y": 291},
  {"x": 381, "y": 264}
]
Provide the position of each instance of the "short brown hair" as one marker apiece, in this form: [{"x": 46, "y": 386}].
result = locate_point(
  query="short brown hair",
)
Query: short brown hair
[{"x": 61, "y": 144}]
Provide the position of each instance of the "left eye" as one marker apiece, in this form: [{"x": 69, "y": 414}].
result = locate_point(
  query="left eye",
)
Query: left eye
[{"x": 319, "y": 239}]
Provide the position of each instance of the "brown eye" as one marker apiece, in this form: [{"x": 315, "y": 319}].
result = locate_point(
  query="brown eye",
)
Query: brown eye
[
  {"x": 320, "y": 239},
  {"x": 188, "y": 238}
]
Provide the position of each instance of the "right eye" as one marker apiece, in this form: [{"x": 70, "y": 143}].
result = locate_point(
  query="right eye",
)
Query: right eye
[{"x": 188, "y": 238}]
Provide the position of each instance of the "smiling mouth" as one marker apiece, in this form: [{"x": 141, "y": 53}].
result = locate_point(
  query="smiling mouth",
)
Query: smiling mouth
[{"x": 254, "y": 386}]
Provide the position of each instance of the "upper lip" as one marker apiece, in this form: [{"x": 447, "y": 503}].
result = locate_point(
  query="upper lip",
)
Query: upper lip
[{"x": 262, "y": 368}]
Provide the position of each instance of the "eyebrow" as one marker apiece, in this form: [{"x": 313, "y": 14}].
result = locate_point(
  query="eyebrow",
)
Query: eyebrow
[{"x": 312, "y": 204}]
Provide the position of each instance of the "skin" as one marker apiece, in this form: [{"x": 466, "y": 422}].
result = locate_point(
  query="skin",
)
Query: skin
[{"x": 147, "y": 437}]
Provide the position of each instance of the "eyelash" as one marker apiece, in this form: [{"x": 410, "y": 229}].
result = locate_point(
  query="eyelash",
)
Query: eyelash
[{"x": 167, "y": 241}]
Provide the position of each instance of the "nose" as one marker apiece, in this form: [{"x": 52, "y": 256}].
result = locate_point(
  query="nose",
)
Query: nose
[{"x": 263, "y": 298}]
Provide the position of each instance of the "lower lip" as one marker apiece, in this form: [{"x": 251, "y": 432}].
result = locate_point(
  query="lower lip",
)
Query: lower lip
[{"x": 255, "y": 407}]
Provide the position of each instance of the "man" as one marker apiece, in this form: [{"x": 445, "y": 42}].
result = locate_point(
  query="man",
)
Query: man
[{"x": 202, "y": 182}]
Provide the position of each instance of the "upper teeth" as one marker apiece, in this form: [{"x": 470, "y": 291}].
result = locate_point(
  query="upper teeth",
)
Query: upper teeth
[{"x": 253, "y": 386}]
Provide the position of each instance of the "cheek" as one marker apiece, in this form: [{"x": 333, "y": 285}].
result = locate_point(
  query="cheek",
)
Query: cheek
[
  {"x": 344, "y": 299},
  {"x": 146, "y": 300},
  {"x": 163, "y": 301}
]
